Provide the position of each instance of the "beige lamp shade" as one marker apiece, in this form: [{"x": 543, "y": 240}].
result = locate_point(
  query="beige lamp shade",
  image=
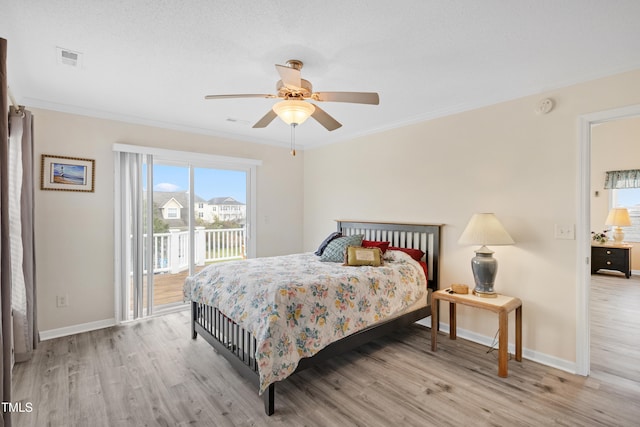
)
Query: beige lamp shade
[
  {"x": 485, "y": 229},
  {"x": 618, "y": 217},
  {"x": 293, "y": 112}
]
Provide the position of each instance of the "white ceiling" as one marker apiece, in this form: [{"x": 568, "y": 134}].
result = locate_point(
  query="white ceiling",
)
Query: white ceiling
[{"x": 153, "y": 61}]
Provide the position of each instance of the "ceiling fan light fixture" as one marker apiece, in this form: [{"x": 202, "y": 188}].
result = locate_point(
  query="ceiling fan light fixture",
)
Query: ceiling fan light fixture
[{"x": 293, "y": 112}]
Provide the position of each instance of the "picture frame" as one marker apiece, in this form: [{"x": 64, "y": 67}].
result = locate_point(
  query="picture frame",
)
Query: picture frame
[{"x": 62, "y": 173}]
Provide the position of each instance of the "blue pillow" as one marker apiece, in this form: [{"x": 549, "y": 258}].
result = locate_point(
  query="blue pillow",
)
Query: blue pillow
[
  {"x": 326, "y": 241},
  {"x": 334, "y": 252}
]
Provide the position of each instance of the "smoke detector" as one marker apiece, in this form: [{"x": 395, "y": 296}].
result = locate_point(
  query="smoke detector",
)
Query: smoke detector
[
  {"x": 544, "y": 106},
  {"x": 68, "y": 57}
]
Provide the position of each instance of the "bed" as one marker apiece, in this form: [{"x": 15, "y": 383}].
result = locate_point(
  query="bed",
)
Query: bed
[{"x": 243, "y": 326}]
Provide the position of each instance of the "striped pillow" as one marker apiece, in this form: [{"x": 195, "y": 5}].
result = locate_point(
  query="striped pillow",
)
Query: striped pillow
[
  {"x": 335, "y": 250},
  {"x": 326, "y": 241}
]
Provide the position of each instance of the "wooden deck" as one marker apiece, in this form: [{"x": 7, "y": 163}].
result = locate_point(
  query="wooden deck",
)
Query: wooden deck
[{"x": 167, "y": 288}]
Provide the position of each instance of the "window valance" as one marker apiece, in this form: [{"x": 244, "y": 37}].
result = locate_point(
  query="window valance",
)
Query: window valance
[{"x": 622, "y": 179}]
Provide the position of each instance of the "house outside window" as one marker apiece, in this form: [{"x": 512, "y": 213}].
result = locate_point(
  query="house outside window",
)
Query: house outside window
[{"x": 172, "y": 212}]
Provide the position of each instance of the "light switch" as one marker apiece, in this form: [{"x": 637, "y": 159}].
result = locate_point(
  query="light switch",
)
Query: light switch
[{"x": 565, "y": 232}]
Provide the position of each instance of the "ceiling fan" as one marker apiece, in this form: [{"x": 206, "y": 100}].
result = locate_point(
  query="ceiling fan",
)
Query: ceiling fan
[{"x": 295, "y": 91}]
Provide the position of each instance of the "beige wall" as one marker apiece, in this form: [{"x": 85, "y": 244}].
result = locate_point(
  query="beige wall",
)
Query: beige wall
[
  {"x": 75, "y": 231},
  {"x": 615, "y": 145},
  {"x": 504, "y": 159}
]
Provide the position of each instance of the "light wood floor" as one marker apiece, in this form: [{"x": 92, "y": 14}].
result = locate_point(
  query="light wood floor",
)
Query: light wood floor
[
  {"x": 615, "y": 330},
  {"x": 150, "y": 373}
]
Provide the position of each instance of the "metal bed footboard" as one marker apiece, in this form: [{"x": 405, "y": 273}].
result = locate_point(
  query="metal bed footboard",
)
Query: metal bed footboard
[{"x": 236, "y": 344}]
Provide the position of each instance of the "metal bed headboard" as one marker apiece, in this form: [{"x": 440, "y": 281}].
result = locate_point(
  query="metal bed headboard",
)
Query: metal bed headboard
[{"x": 425, "y": 237}]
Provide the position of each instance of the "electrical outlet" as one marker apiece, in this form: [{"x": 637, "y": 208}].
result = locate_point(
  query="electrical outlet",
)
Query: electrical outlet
[
  {"x": 565, "y": 232},
  {"x": 62, "y": 301}
]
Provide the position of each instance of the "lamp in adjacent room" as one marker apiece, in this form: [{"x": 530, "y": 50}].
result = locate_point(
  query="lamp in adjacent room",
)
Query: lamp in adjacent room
[
  {"x": 484, "y": 229},
  {"x": 618, "y": 217}
]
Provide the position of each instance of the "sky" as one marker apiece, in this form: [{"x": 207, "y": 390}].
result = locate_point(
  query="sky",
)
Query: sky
[
  {"x": 208, "y": 183},
  {"x": 628, "y": 197}
]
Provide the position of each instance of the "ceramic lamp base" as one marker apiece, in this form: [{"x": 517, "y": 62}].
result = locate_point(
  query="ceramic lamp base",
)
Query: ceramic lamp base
[
  {"x": 484, "y": 267},
  {"x": 618, "y": 235}
]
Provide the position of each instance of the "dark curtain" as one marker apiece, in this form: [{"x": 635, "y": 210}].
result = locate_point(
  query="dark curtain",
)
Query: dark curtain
[{"x": 5, "y": 249}]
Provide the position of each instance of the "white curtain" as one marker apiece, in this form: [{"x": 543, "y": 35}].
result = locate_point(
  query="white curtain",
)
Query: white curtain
[
  {"x": 18, "y": 292},
  {"x": 129, "y": 268},
  {"x": 21, "y": 234}
]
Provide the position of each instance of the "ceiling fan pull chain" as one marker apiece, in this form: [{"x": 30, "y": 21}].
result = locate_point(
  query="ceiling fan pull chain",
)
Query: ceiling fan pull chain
[{"x": 293, "y": 138}]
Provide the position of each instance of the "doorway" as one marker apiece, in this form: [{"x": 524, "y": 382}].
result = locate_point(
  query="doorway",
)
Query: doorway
[{"x": 586, "y": 122}]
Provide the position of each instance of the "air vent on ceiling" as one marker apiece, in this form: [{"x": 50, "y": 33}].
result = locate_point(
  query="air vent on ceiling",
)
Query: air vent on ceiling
[
  {"x": 69, "y": 57},
  {"x": 239, "y": 121}
]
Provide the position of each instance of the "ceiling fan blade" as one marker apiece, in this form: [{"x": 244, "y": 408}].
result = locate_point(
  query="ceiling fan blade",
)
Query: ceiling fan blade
[
  {"x": 266, "y": 119},
  {"x": 241, "y": 95},
  {"x": 289, "y": 76},
  {"x": 354, "y": 97},
  {"x": 325, "y": 119}
]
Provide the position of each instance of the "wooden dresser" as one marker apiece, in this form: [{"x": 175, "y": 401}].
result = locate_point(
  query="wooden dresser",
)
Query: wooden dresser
[{"x": 610, "y": 257}]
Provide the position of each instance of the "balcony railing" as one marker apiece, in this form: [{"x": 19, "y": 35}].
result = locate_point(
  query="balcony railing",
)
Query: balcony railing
[{"x": 171, "y": 250}]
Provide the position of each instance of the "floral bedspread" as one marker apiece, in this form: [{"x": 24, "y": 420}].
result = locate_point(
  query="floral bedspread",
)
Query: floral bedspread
[{"x": 295, "y": 305}]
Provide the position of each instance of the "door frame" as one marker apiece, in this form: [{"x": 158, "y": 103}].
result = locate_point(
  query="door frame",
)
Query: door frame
[{"x": 583, "y": 239}]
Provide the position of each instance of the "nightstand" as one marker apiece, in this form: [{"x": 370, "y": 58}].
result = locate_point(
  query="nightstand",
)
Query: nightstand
[
  {"x": 611, "y": 257},
  {"x": 502, "y": 305}
]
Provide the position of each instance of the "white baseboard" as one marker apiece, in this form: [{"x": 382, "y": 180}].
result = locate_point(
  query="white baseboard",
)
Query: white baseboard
[
  {"x": 535, "y": 356},
  {"x": 76, "y": 329}
]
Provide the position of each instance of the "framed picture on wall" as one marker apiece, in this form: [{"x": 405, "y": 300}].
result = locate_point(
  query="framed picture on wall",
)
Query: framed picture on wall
[{"x": 62, "y": 173}]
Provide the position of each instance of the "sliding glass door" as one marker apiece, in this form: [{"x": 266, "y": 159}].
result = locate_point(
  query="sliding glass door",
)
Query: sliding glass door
[
  {"x": 215, "y": 221},
  {"x": 174, "y": 217}
]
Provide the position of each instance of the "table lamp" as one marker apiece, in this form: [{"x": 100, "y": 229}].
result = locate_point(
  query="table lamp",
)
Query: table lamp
[
  {"x": 484, "y": 229},
  {"x": 618, "y": 217}
]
